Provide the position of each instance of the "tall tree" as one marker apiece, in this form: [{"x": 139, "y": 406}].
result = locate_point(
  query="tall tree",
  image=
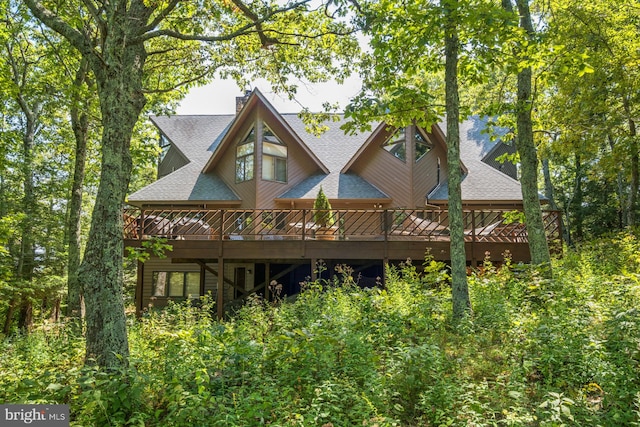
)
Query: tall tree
[
  {"x": 526, "y": 147},
  {"x": 31, "y": 84},
  {"x": 402, "y": 84},
  {"x": 597, "y": 113},
  {"x": 460, "y": 287},
  {"x": 263, "y": 38},
  {"x": 79, "y": 113}
]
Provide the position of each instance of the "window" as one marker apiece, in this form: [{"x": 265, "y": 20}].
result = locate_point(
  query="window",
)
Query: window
[
  {"x": 176, "y": 284},
  {"x": 165, "y": 144},
  {"x": 244, "y": 157},
  {"x": 274, "y": 157},
  {"x": 422, "y": 143},
  {"x": 396, "y": 145}
]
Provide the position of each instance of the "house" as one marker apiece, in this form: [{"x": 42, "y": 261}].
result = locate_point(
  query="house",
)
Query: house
[{"x": 235, "y": 198}]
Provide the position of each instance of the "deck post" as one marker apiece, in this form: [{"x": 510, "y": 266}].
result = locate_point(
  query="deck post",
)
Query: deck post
[
  {"x": 202, "y": 278},
  {"x": 220, "y": 290},
  {"x": 141, "y": 225},
  {"x": 267, "y": 280},
  {"x": 139, "y": 288},
  {"x": 304, "y": 226},
  {"x": 473, "y": 238}
]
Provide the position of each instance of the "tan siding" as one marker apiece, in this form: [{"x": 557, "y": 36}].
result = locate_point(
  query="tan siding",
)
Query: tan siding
[
  {"x": 426, "y": 174},
  {"x": 226, "y": 169},
  {"x": 172, "y": 161},
  {"x": 229, "y": 273},
  {"x": 299, "y": 166}
]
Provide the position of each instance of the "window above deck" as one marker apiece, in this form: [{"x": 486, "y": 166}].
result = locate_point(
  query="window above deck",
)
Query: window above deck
[
  {"x": 396, "y": 144},
  {"x": 245, "y": 157},
  {"x": 274, "y": 157},
  {"x": 423, "y": 144}
]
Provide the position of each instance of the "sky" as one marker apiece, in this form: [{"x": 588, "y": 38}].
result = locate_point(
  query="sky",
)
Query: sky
[{"x": 219, "y": 96}]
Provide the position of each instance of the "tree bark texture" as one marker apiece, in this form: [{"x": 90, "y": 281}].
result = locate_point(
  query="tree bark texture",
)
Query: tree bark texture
[
  {"x": 118, "y": 75},
  {"x": 528, "y": 157},
  {"x": 460, "y": 288},
  {"x": 635, "y": 165}
]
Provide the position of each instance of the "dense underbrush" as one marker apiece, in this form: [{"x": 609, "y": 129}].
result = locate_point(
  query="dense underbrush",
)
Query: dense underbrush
[{"x": 535, "y": 352}]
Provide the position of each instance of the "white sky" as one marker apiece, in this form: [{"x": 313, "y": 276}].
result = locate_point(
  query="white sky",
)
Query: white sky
[{"x": 219, "y": 97}]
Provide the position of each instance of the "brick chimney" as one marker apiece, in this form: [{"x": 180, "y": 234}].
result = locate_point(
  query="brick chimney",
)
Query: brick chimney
[{"x": 242, "y": 100}]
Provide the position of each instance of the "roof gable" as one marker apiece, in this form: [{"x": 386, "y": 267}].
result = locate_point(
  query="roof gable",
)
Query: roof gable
[{"x": 249, "y": 114}]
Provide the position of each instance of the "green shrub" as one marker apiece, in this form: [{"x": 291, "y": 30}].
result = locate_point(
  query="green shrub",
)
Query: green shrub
[{"x": 536, "y": 352}]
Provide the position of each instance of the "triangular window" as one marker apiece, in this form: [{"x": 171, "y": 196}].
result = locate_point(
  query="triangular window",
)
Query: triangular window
[{"x": 397, "y": 145}]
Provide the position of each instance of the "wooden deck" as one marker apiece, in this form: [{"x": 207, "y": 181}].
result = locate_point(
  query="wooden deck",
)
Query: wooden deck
[{"x": 291, "y": 234}]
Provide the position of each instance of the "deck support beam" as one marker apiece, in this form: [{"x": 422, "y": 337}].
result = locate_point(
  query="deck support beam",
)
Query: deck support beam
[
  {"x": 220, "y": 296},
  {"x": 139, "y": 288}
]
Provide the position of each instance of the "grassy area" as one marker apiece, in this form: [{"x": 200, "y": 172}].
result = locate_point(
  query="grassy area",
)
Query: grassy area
[{"x": 536, "y": 352}]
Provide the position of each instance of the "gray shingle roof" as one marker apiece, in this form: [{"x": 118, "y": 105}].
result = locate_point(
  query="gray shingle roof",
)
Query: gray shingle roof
[
  {"x": 334, "y": 149},
  {"x": 194, "y": 136},
  {"x": 482, "y": 182},
  {"x": 197, "y": 137}
]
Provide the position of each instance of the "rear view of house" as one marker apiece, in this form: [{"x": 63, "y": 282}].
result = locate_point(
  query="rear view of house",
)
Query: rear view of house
[{"x": 235, "y": 196}]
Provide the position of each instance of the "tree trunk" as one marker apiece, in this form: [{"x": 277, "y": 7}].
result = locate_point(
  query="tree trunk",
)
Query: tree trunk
[
  {"x": 548, "y": 185},
  {"x": 119, "y": 80},
  {"x": 528, "y": 157},
  {"x": 460, "y": 289},
  {"x": 620, "y": 188},
  {"x": 577, "y": 200},
  {"x": 635, "y": 173},
  {"x": 26, "y": 259},
  {"x": 80, "y": 125}
]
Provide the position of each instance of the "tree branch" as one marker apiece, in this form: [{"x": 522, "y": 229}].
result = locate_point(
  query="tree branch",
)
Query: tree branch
[
  {"x": 53, "y": 21},
  {"x": 95, "y": 12},
  {"x": 162, "y": 15},
  {"x": 266, "y": 41},
  {"x": 256, "y": 22}
]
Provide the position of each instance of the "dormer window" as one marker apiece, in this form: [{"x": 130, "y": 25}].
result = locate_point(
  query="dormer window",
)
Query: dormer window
[
  {"x": 274, "y": 157},
  {"x": 244, "y": 157},
  {"x": 397, "y": 145},
  {"x": 422, "y": 143}
]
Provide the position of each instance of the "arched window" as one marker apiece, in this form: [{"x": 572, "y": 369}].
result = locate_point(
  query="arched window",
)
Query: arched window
[
  {"x": 274, "y": 157},
  {"x": 244, "y": 157}
]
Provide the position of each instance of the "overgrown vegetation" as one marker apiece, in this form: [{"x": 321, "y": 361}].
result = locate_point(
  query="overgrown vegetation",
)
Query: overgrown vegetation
[{"x": 536, "y": 352}]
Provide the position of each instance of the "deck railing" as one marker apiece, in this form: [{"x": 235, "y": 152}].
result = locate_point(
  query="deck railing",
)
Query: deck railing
[{"x": 486, "y": 225}]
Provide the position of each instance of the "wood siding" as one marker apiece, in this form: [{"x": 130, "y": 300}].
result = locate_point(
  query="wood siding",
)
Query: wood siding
[
  {"x": 226, "y": 168},
  {"x": 386, "y": 172},
  {"x": 299, "y": 165},
  {"x": 425, "y": 176}
]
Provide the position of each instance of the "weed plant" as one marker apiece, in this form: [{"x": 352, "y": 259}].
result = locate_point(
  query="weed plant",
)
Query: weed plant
[{"x": 536, "y": 352}]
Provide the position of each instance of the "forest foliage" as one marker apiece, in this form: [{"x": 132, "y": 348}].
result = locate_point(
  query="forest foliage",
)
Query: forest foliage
[{"x": 543, "y": 352}]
